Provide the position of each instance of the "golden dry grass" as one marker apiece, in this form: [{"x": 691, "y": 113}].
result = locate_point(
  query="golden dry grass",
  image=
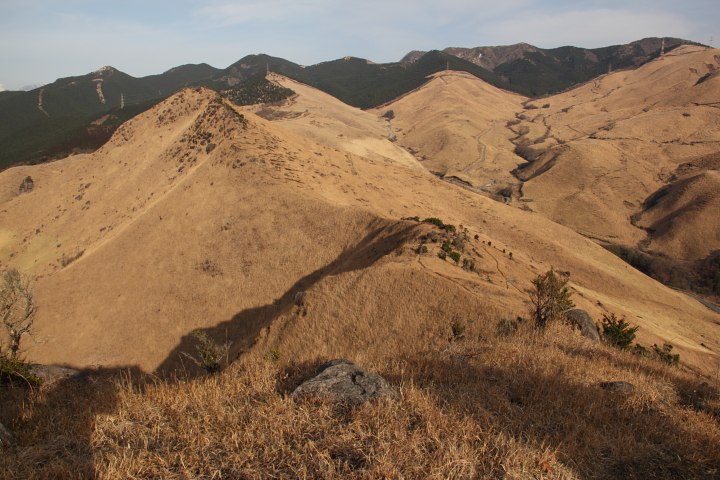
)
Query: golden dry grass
[{"x": 523, "y": 405}]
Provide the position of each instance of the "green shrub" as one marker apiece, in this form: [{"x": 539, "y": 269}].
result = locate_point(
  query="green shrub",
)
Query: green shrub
[
  {"x": 273, "y": 355},
  {"x": 434, "y": 221},
  {"x": 423, "y": 249},
  {"x": 640, "y": 351},
  {"x": 458, "y": 328},
  {"x": 550, "y": 298},
  {"x": 618, "y": 333},
  {"x": 455, "y": 256},
  {"x": 446, "y": 247},
  {"x": 442, "y": 255},
  {"x": 211, "y": 354},
  {"x": 17, "y": 372},
  {"x": 665, "y": 354},
  {"x": 477, "y": 237}
]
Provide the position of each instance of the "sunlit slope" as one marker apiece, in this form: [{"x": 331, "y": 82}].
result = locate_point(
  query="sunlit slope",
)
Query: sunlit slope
[
  {"x": 193, "y": 217},
  {"x": 601, "y": 150},
  {"x": 456, "y": 124},
  {"x": 321, "y": 117}
]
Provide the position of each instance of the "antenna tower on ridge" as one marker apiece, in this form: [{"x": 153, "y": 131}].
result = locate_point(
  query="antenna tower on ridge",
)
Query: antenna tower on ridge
[
  {"x": 267, "y": 69},
  {"x": 662, "y": 47},
  {"x": 122, "y": 101}
]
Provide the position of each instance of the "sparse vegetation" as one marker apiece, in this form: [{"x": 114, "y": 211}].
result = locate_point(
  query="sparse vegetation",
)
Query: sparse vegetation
[
  {"x": 211, "y": 353},
  {"x": 458, "y": 330},
  {"x": 617, "y": 333},
  {"x": 550, "y": 298},
  {"x": 665, "y": 354}
]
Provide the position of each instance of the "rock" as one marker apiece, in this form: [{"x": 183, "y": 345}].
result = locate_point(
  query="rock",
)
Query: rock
[
  {"x": 341, "y": 381},
  {"x": 616, "y": 386},
  {"x": 6, "y": 438},
  {"x": 210, "y": 147},
  {"x": 585, "y": 322},
  {"x": 53, "y": 373}
]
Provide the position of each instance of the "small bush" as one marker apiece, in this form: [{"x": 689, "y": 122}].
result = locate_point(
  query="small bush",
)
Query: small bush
[
  {"x": 455, "y": 256},
  {"x": 442, "y": 255},
  {"x": 423, "y": 249},
  {"x": 618, "y": 333},
  {"x": 665, "y": 354},
  {"x": 17, "y": 312},
  {"x": 211, "y": 354},
  {"x": 640, "y": 351},
  {"x": 273, "y": 355},
  {"x": 477, "y": 237},
  {"x": 458, "y": 328},
  {"x": 17, "y": 372},
  {"x": 550, "y": 299}
]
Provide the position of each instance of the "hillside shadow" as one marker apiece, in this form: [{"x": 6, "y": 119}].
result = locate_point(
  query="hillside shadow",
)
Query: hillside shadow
[
  {"x": 597, "y": 433},
  {"x": 53, "y": 424},
  {"x": 244, "y": 327}
]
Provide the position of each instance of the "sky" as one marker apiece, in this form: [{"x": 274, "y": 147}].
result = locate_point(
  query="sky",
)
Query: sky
[{"x": 42, "y": 40}]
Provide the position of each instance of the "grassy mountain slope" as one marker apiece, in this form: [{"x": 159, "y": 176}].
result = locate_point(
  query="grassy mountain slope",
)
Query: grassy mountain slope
[
  {"x": 227, "y": 218},
  {"x": 324, "y": 119},
  {"x": 197, "y": 215}
]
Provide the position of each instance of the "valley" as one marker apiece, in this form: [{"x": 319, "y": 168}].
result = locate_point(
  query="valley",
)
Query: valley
[{"x": 407, "y": 236}]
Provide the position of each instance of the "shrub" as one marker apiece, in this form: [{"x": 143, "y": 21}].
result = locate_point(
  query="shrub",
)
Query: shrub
[
  {"x": 477, "y": 237},
  {"x": 455, "y": 256},
  {"x": 17, "y": 372},
  {"x": 618, "y": 333},
  {"x": 458, "y": 328},
  {"x": 550, "y": 299},
  {"x": 210, "y": 352},
  {"x": 442, "y": 255},
  {"x": 17, "y": 312},
  {"x": 273, "y": 355},
  {"x": 423, "y": 249},
  {"x": 665, "y": 354}
]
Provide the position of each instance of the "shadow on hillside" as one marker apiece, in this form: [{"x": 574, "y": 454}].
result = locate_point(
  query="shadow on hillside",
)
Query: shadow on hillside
[
  {"x": 596, "y": 432},
  {"x": 53, "y": 424},
  {"x": 244, "y": 327}
]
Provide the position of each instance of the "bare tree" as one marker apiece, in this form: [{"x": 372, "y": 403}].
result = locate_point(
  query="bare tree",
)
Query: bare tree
[{"x": 17, "y": 310}]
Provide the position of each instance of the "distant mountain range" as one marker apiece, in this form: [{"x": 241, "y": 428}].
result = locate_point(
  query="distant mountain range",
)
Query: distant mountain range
[
  {"x": 545, "y": 71},
  {"x": 62, "y": 117}
]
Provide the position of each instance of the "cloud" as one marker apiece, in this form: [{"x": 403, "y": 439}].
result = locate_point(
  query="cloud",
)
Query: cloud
[{"x": 2, "y": 89}]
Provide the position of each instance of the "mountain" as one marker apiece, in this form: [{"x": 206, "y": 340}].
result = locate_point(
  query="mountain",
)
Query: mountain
[
  {"x": 546, "y": 71},
  {"x": 355, "y": 81},
  {"x": 197, "y": 215},
  {"x": 31, "y": 122}
]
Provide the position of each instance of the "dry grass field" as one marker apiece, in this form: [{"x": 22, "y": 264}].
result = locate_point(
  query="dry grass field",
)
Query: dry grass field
[
  {"x": 522, "y": 405},
  {"x": 199, "y": 215}
]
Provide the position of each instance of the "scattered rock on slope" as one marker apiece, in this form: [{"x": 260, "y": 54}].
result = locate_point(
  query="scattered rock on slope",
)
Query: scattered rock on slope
[
  {"x": 342, "y": 381},
  {"x": 583, "y": 320}
]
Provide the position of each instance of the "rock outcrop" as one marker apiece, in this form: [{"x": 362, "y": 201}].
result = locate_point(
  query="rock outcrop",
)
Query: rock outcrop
[
  {"x": 583, "y": 320},
  {"x": 343, "y": 382}
]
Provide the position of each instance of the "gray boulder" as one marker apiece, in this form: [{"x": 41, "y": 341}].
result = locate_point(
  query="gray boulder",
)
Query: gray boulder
[
  {"x": 585, "y": 322},
  {"x": 6, "y": 438},
  {"x": 341, "y": 381}
]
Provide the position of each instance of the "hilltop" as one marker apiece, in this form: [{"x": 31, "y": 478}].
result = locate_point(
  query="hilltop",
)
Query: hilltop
[
  {"x": 147, "y": 217},
  {"x": 272, "y": 232}
]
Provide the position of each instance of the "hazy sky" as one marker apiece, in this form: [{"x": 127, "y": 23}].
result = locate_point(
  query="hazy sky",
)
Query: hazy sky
[{"x": 41, "y": 40}]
